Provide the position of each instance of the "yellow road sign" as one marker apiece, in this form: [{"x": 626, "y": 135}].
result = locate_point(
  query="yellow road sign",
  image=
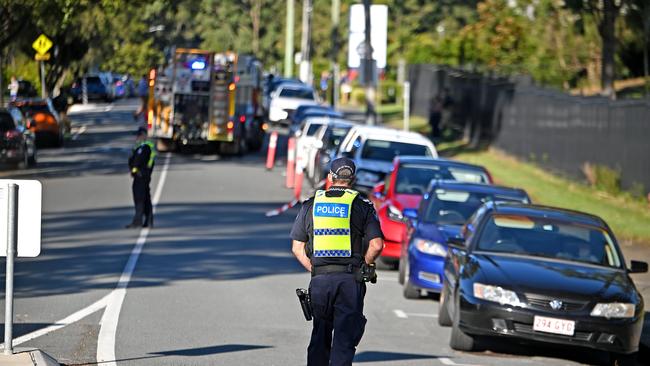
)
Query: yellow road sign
[
  {"x": 39, "y": 57},
  {"x": 42, "y": 44}
]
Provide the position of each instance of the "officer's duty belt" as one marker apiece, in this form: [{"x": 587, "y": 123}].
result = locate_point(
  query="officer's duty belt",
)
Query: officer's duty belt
[{"x": 334, "y": 268}]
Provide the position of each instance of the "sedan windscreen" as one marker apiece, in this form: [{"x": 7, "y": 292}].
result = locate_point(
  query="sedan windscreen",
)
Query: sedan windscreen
[
  {"x": 297, "y": 93},
  {"x": 388, "y": 150},
  {"x": 313, "y": 128},
  {"x": 35, "y": 108},
  {"x": 543, "y": 237},
  {"x": 415, "y": 178},
  {"x": 336, "y": 135},
  {"x": 449, "y": 207}
]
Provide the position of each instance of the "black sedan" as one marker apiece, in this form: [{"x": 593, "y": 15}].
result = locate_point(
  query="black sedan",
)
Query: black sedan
[
  {"x": 540, "y": 274},
  {"x": 16, "y": 141}
]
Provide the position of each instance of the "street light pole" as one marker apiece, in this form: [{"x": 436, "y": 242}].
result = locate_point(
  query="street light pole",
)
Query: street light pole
[
  {"x": 336, "y": 10},
  {"x": 305, "y": 44},
  {"x": 288, "y": 41},
  {"x": 368, "y": 68}
]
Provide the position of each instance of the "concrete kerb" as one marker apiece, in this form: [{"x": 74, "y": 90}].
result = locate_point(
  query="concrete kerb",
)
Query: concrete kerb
[{"x": 27, "y": 357}]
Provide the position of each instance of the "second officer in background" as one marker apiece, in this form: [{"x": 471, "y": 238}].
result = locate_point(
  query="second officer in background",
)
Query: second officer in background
[
  {"x": 337, "y": 237},
  {"x": 141, "y": 164}
]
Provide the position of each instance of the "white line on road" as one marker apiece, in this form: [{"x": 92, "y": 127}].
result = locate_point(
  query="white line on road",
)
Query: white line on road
[
  {"x": 111, "y": 316},
  {"x": 404, "y": 315},
  {"x": 449, "y": 362},
  {"x": 81, "y": 130},
  {"x": 400, "y": 314},
  {"x": 108, "y": 108},
  {"x": 109, "y": 301}
]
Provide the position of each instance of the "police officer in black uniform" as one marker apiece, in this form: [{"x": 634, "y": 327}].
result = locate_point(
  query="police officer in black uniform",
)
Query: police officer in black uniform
[
  {"x": 141, "y": 164},
  {"x": 337, "y": 237}
]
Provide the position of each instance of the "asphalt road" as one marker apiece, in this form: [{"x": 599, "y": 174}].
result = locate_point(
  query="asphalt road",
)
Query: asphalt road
[{"x": 212, "y": 284}]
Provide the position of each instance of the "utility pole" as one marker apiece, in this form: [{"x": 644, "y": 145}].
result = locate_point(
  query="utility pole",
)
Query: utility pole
[
  {"x": 368, "y": 68},
  {"x": 305, "y": 44},
  {"x": 336, "y": 10},
  {"x": 288, "y": 42}
]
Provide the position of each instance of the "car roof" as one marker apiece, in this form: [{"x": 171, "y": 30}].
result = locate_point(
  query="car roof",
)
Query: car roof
[
  {"x": 295, "y": 86},
  {"x": 476, "y": 187},
  {"x": 426, "y": 160},
  {"x": 555, "y": 213}
]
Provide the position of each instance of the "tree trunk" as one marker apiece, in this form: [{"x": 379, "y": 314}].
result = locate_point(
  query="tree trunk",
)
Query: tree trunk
[
  {"x": 256, "y": 9},
  {"x": 608, "y": 35}
]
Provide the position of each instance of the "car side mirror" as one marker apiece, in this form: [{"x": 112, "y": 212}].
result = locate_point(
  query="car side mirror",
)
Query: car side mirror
[
  {"x": 378, "y": 189},
  {"x": 638, "y": 267},
  {"x": 456, "y": 243}
]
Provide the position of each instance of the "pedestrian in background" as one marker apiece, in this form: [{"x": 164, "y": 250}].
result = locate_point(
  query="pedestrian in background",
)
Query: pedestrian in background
[
  {"x": 337, "y": 237},
  {"x": 141, "y": 164},
  {"x": 435, "y": 115},
  {"x": 143, "y": 94},
  {"x": 13, "y": 87}
]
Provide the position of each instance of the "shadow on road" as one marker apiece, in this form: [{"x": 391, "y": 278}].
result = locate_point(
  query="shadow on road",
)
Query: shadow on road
[
  {"x": 189, "y": 352},
  {"x": 86, "y": 250},
  {"x": 379, "y": 356}
]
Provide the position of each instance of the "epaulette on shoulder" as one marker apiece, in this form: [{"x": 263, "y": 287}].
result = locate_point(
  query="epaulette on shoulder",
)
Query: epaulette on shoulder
[{"x": 364, "y": 199}]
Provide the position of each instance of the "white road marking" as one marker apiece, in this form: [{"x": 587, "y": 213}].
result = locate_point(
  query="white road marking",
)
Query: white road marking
[
  {"x": 404, "y": 315},
  {"x": 111, "y": 301},
  {"x": 98, "y": 305},
  {"x": 108, "y": 323},
  {"x": 386, "y": 279},
  {"x": 81, "y": 130},
  {"x": 449, "y": 362},
  {"x": 108, "y": 108}
]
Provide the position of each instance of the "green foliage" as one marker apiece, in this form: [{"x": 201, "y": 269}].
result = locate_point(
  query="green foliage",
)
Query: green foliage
[{"x": 607, "y": 179}]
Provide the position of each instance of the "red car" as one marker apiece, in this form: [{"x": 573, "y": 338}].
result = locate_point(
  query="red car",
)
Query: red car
[{"x": 397, "y": 198}]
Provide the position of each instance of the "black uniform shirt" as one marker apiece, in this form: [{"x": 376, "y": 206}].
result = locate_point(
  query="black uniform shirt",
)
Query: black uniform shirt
[
  {"x": 140, "y": 159},
  {"x": 364, "y": 226}
]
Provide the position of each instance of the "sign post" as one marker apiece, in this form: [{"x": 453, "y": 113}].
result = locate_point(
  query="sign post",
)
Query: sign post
[
  {"x": 407, "y": 105},
  {"x": 42, "y": 44},
  {"x": 20, "y": 219},
  {"x": 11, "y": 193}
]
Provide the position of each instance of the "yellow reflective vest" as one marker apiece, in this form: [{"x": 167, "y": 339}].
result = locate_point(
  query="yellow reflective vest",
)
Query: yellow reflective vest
[{"x": 331, "y": 216}]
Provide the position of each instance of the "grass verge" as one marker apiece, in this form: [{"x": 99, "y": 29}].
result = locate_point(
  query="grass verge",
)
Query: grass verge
[{"x": 628, "y": 217}]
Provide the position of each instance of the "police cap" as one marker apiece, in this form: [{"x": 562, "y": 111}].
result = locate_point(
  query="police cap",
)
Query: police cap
[{"x": 343, "y": 168}]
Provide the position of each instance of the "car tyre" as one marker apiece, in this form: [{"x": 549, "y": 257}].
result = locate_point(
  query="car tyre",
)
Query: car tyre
[
  {"x": 617, "y": 359},
  {"x": 444, "y": 320},
  {"x": 402, "y": 271},
  {"x": 459, "y": 340},
  {"x": 410, "y": 291}
]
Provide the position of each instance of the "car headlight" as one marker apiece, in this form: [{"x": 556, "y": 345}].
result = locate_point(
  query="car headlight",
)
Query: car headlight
[
  {"x": 496, "y": 294},
  {"x": 430, "y": 247},
  {"x": 395, "y": 214},
  {"x": 614, "y": 310},
  {"x": 367, "y": 177}
]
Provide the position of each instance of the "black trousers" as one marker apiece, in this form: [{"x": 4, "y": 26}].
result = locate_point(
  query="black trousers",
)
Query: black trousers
[
  {"x": 337, "y": 302},
  {"x": 142, "y": 200}
]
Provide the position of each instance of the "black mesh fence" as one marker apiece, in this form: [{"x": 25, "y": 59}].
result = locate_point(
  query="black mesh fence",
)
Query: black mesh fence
[{"x": 557, "y": 130}]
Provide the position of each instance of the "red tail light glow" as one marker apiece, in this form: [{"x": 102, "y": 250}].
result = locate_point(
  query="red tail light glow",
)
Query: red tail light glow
[
  {"x": 12, "y": 134},
  {"x": 242, "y": 119},
  {"x": 230, "y": 125}
]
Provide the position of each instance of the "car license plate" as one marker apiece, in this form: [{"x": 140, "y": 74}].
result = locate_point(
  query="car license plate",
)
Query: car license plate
[{"x": 553, "y": 325}]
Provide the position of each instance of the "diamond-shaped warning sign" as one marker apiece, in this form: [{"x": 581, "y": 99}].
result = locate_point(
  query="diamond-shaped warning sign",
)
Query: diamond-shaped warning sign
[{"x": 42, "y": 44}]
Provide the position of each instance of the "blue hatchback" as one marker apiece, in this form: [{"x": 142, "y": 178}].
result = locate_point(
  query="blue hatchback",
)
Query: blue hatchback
[{"x": 444, "y": 209}]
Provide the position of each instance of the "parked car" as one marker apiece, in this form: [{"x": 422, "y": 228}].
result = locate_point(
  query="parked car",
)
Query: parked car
[
  {"x": 541, "y": 274},
  {"x": 287, "y": 97},
  {"x": 43, "y": 120},
  {"x": 119, "y": 87},
  {"x": 444, "y": 209},
  {"x": 374, "y": 148},
  {"x": 402, "y": 191},
  {"x": 98, "y": 88},
  {"x": 16, "y": 141},
  {"x": 324, "y": 141},
  {"x": 311, "y": 110}
]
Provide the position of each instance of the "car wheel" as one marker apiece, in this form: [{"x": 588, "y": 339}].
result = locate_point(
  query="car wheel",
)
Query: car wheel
[
  {"x": 410, "y": 291},
  {"x": 443, "y": 307},
  {"x": 402, "y": 270},
  {"x": 617, "y": 359},
  {"x": 459, "y": 340}
]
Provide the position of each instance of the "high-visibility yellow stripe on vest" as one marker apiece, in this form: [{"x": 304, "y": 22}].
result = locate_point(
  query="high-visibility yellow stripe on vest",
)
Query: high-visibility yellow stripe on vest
[{"x": 332, "y": 224}]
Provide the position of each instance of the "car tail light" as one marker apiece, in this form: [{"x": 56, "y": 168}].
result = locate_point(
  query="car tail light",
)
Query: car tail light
[
  {"x": 231, "y": 87},
  {"x": 242, "y": 119},
  {"x": 265, "y": 126},
  {"x": 230, "y": 125},
  {"x": 39, "y": 117},
  {"x": 12, "y": 134}
]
